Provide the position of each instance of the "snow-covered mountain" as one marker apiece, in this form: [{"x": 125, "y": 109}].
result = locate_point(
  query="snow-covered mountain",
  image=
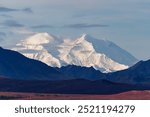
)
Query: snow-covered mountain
[
  {"x": 112, "y": 50},
  {"x": 83, "y": 51}
]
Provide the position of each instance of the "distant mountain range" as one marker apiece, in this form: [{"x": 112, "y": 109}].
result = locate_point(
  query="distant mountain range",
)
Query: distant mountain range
[
  {"x": 21, "y": 74},
  {"x": 16, "y": 66},
  {"x": 84, "y": 51}
]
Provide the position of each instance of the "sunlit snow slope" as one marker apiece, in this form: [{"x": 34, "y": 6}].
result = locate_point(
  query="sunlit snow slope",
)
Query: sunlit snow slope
[{"x": 83, "y": 51}]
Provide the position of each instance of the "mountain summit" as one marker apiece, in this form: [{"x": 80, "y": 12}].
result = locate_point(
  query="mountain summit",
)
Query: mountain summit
[
  {"x": 111, "y": 50},
  {"x": 83, "y": 51}
]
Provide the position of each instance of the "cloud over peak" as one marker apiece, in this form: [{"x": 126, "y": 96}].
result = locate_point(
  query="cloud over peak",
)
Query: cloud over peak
[
  {"x": 84, "y": 25},
  {"x": 42, "y": 26}
]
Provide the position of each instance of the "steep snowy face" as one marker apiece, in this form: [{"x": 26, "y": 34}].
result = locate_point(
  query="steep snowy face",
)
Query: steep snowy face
[
  {"x": 57, "y": 52},
  {"x": 112, "y": 50},
  {"x": 81, "y": 52}
]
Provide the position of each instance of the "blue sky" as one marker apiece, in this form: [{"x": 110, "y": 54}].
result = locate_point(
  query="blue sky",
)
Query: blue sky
[{"x": 125, "y": 22}]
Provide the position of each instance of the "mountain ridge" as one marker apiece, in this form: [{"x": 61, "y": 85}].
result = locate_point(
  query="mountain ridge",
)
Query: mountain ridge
[
  {"x": 138, "y": 73},
  {"x": 14, "y": 65},
  {"x": 57, "y": 52}
]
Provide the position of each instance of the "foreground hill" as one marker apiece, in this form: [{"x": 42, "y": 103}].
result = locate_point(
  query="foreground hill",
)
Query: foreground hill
[
  {"x": 139, "y": 73},
  {"x": 82, "y": 72},
  {"x": 15, "y": 65},
  {"x": 77, "y": 86}
]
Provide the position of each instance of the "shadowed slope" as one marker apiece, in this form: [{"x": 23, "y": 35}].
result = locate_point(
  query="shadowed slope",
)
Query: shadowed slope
[{"x": 15, "y": 65}]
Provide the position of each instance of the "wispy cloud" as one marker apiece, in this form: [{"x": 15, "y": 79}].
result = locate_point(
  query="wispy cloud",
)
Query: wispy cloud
[
  {"x": 42, "y": 26},
  {"x": 6, "y": 9},
  {"x": 12, "y": 23},
  {"x": 84, "y": 25},
  {"x": 28, "y": 10}
]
